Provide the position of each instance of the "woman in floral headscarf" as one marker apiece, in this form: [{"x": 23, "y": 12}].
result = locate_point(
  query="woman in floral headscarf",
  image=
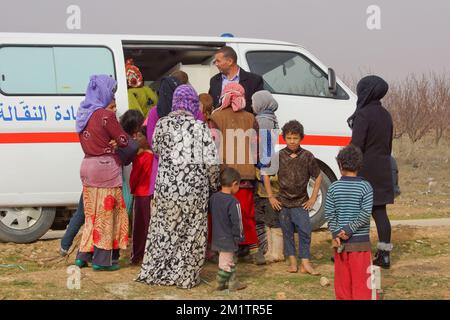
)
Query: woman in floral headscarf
[{"x": 187, "y": 172}]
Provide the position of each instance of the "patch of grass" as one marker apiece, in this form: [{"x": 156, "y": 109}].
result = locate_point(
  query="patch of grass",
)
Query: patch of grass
[
  {"x": 22, "y": 283},
  {"x": 421, "y": 248},
  {"x": 417, "y": 287},
  {"x": 421, "y": 215}
]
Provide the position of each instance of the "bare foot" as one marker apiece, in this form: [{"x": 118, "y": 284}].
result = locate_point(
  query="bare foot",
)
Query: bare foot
[
  {"x": 307, "y": 268},
  {"x": 293, "y": 266}
]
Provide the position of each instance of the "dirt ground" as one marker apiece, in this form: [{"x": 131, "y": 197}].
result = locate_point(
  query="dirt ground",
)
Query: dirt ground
[{"x": 420, "y": 270}]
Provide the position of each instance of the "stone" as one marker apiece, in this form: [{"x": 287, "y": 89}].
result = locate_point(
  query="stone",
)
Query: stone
[
  {"x": 324, "y": 282},
  {"x": 281, "y": 296}
]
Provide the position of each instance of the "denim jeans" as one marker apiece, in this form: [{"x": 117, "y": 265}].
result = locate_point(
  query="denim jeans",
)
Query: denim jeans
[
  {"x": 75, "y": 224},
  {"x": 299, "y": 218}
]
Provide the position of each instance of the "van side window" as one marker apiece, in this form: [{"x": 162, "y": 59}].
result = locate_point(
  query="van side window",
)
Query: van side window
[
  {"x": 58, "y": 70},
  {"x": 286, "y": 72},
  {"x": 27, "y": 70}
]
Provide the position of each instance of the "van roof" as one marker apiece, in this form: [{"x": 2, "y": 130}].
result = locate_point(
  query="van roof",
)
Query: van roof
[{"x": 148, "y": 38}]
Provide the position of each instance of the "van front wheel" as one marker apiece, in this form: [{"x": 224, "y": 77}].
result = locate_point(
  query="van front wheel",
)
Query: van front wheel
[
  {"x": 317, "y": 214},
  {"x": 25, "y": 225}
]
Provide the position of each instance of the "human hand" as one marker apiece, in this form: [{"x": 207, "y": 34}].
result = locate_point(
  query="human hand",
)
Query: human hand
[
  {"x": 113, "y": 144},
  {"x": 276, "y": 205},
  {"x": 336, "y": 243},
  {"x": 308, "y": 205},
  {"x": 342, "y": 235}
]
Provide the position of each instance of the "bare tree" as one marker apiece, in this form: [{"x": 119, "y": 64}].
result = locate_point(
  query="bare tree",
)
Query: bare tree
[
  {"x": 393, "y": 103},
  {"x": 440, "y": 107},
  {"x": 416, "y": 107}
]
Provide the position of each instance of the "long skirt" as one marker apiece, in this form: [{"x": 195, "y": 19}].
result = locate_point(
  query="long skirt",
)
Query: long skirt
[
  {"x": 106, "y": 226},
  {"x": 176, "y": 243}
]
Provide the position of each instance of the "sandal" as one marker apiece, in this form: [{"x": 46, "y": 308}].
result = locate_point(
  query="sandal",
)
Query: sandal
[
  {"x": 80, "y": 263},
  {"x": 113, "y": 267}
]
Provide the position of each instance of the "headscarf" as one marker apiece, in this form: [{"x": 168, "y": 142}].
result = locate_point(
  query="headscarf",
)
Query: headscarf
[
  {"x": 233, "y": 95},
  {"x": 166, "y": 91},
  {"x": 264, "y": 106},
  {"x": 370, "y": 90},
  {"x": 185, "y": 98},
  {"x": 99, "y": 94},
  {"x": 134, "y": 75}
]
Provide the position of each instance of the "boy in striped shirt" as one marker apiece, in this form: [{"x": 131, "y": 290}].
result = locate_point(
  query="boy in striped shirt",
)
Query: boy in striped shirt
[{"x": 348, "y": 207}]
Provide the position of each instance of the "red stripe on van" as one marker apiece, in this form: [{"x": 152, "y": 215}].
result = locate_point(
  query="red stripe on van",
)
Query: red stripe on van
[
  {"x": 39, "y": 137},
  {"x": 321, "y": 141},
  {"x": 72, "y": 137}
]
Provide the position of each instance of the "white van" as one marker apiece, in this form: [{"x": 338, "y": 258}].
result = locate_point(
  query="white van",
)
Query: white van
[{"x": 43, "y": 78}]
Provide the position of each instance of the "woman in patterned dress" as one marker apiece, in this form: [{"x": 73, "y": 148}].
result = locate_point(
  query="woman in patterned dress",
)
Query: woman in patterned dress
[{"x": 187, "y": 172}]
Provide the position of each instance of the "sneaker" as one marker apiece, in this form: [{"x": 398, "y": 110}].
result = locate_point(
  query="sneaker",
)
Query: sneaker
[{"x": 63, "y": 252}]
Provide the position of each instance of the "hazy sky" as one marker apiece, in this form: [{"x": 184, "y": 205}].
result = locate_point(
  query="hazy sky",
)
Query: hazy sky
[{"x": 414, "y": 35}]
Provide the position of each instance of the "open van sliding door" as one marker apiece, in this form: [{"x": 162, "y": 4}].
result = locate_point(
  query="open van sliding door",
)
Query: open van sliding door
[
  {"x": 156, "y": 59},
  {"x": 299, "y": 83}
]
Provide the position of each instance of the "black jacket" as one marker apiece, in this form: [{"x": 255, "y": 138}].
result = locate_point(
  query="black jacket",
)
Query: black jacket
[
  {"x": 372, "y": 133},
  {"x": 227, "y": 229},
  {"x": 250, "y": 81}
]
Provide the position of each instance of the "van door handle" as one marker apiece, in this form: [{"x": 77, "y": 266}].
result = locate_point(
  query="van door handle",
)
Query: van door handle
[{"x": 3, "y": 77}]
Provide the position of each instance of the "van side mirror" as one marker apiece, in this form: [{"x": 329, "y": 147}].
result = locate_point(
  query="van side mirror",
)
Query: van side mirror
[{"x": 332, "y": 86}]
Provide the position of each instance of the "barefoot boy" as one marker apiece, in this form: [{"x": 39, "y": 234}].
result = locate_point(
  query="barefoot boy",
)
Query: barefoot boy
[{"x": 296, "y": 167}]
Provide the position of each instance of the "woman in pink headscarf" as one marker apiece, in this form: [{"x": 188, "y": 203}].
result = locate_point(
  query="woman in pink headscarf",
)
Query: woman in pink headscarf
[{"x": 232, "y": 116}]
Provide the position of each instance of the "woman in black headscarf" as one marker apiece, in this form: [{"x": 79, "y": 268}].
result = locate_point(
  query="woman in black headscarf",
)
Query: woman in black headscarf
[{"x": 372, "y": 133}]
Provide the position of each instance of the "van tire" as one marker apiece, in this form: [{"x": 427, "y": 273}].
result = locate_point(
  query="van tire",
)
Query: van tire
[
  {"x": 318, "y": 219},
  {"x": 31, "y": 234}
]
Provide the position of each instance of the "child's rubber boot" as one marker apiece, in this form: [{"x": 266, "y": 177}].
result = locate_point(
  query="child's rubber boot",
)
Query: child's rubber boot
[
  {"x": 234, "y": 284},
  {"x": 222, "y": 279}
]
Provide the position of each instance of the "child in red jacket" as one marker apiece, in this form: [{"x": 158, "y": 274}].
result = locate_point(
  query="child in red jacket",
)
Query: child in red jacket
[{"x": 140, "y": 189}]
